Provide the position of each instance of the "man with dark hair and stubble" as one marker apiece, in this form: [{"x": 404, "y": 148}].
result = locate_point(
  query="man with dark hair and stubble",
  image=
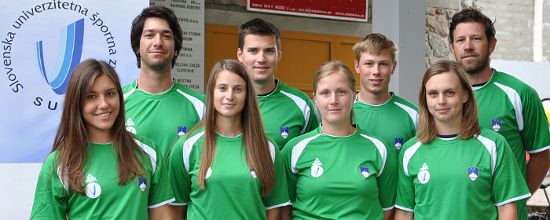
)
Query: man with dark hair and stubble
[
  {"x": 286, "y": 111},
  {"x": 506, "y": 104},
  {"x": 156, "y": 106}
]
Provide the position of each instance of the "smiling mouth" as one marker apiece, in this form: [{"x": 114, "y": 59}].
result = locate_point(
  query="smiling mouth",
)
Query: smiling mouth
[{"x": 103, "y": 115}]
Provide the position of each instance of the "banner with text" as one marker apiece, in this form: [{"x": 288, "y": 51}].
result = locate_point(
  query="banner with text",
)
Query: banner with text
[
  {"x": 41, "y": 42},
  {"x": 351, "y": 10}
]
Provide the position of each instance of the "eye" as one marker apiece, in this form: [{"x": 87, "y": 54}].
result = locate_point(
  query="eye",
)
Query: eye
[
  {"x": 432, "y": 94},
  {"x": 111, "y": 93},
  {"x": 239, "y": 89},
  {"x": 221, "y": 88},
  {"x": 270, "y": 51},
  {"x": 91, "y": 96},
  {"x": 450, "y": 93},
  {"x": 252, "y": 50},
  {"x": 167, "y": 36}
]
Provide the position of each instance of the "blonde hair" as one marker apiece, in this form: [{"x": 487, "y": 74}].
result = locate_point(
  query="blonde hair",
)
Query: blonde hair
[
  {"x": 375, "y": 43},
  {"x": 333, "y": 67},
  {"x": 469, "y": 126}
]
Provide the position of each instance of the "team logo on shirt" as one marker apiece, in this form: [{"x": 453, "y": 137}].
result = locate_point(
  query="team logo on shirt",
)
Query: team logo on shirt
[
  {"x": 398, "y": 142},
  {"x": 208, "y": 173},
  {"x": 364, "y": 171},
  {"x": 317, "y": 168},
  {"x": 473, "y": 173},
  {"x": 93, "y": 189},
  {"x": 496, "y": 124},
  {"x": 130, "y": 126},
  {"x": 284, "y": 132},
  {"x": 253, "y": 174},
  {"x": 142, "y": 183},
  {"x": 182, "y": 130},
  {"x": 424, "y": 174}
]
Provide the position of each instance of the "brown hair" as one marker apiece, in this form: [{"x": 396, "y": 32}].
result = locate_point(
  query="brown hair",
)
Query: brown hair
[
  {"x": 375, "y": 43},
  {"x": 333, "y": 67},
  {"x": 258, "y": 156},
  {"x": 469, "y": 126},
  {"x": 71, "y": 138},
  {"x": 258, "y": 26},
  {"x": 472, "y": 14},
  {"x": 157, "y": 11}
]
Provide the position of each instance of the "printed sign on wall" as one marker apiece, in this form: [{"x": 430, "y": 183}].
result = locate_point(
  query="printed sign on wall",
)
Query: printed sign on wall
[
  {"x": 351, "y": 10},
  {"x": 41, "y": 42}
]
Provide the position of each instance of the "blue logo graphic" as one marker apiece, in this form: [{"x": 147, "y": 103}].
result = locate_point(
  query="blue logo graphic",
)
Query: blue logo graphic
[
  {"x": 182, "y": 130},
  {"x": 473, "y": 173},
  {"x": 496, "y": 124},
  {"x": 398, "y": 142},
  {"x": 284, "y": 132},
  {"x": 71, "y": 58},
  {"x": 365, "y": 171}
]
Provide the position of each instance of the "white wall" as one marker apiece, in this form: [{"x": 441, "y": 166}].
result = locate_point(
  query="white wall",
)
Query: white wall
[{"x": 537, "y": 75}]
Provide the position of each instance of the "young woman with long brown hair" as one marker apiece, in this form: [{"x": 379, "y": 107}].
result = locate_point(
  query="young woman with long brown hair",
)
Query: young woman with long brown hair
[
  {"x": 453, "y": 169},
  {"x": 97, "y": 169},
  {"x": 226, "y": 168}
]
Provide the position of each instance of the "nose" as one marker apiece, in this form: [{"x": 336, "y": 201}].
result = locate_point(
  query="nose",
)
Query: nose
[
  {"x": 333, "y": 99},
  {"x": 468, "y": 45},
  {"x": 261, "y": 57},
  {"x": 102, "y": 102},
  {"x": 157, "y": 40},
  {"x": 441, "y": 99},
  {"x": 229, "y": 94}
]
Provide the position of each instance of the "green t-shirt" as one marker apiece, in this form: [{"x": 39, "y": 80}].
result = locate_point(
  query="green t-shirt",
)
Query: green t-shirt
[
  {"x": 513, "y": 109},
  {"x": 104, "y": 197},
  {"x": 162, "y": 117},
  {"x": 394, "y": 121},
  {"x": 451, "y": 178},
  {"x": 335, "y": 177},
  {"x": 286, "y": 113},
  {"x": 232, "y": 190}
]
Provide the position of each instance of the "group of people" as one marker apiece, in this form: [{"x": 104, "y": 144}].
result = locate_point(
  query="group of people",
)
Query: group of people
[{"x": 253, "y": 148}]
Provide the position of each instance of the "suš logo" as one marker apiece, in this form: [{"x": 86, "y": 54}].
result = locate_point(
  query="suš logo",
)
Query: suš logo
[
  {"x": 27, "y": 35},
  {"x": 71, "y": 57}
]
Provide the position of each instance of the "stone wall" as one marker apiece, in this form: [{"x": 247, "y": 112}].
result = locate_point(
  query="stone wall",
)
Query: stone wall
[
  {"x": 437, "y": 34},
  {"x": 513, "y": 23}
]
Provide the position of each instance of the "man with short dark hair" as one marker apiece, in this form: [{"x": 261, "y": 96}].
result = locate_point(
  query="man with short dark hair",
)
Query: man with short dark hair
[
  {"x": 506, "y": 104},
  {"x": 156, "y": 106},
  {"x": 286, "y": 111}
]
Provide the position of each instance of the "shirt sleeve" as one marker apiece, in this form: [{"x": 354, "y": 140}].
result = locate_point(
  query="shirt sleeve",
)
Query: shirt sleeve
[
  {"x": 50, "y": 198},
  {"x": 535, "y": 133},
  {"x": 178, "y": 175},
  {"x": 291, "y": 177},
  {"x": 508, "y": 183},
  {"x": 387, "y": 181},
  {"x": 405, "y": 186},
  {"x": 279, "y": 193},
  {"x": 160, "y": 192}
]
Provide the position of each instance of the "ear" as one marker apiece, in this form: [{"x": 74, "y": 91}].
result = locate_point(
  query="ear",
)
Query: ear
[
  {"x": 356, "y": 65},
  {"x": 492, "y": 45},
  {"x": 394, "y": 67},
  {"x": 239, "y": 55},
  {"x": 280, "y": 52}
]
